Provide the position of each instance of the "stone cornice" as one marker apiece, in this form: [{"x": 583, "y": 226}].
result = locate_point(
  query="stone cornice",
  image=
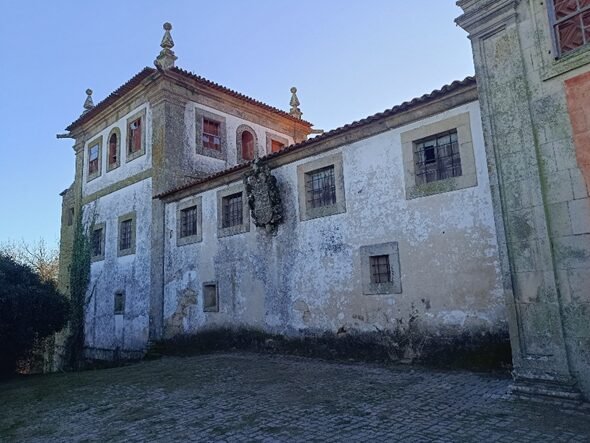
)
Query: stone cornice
[{"x": 483, "y": 16}]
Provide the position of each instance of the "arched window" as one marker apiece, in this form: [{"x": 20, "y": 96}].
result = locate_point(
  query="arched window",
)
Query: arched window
[
  {"x": 114, "y": 149},
  {"x": 113, "y": 157},
  {"x": 247, "y": 146}
]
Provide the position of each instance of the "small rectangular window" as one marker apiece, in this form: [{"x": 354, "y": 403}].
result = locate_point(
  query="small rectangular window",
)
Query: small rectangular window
[
  {"x": 134, "y": 137},
  {"x": 571, "y": 24},
  {"x": 97, "y": 243},
  {"x": 211, "y": 134},
  {"x": 188, "y": 221},
  {"x": 210, "y": 297},
  {"x": 437, "y": 157},
  {"x": 320, "y": 187},
  {"x": 232, "y": 211},
  {"x": 119, "y": 303},
  {"x": 93, "y": 159},
  {"x": 70, "y": 216},
  {"x": 125, "y": 235},
  {"x": 380, "y": 270}
]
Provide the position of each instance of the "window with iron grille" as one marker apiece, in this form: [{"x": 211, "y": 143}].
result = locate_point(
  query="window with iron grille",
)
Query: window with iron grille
[
  {"x": 188, "y": 221},
  {"x": 571, "y": 24},
  {"x": 211, "y": 134},
  {"x": 232, "y": 210},
  {"x": 320, "y": 187},
  {"x": 437, "y": 157},
  {"x": 125, "y": 235},
  {"x": 380, "y": 270},
  {"x": 97, "y": 242}
]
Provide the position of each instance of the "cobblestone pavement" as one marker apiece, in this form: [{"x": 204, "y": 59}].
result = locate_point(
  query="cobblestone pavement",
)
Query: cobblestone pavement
[{"x": 250, "y": 397}]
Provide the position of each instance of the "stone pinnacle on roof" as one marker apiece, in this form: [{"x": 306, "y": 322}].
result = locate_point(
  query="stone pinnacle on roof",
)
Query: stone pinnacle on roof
[
  {"x": 295, "y": 111},
  {"x": 166, "y": 58},
  {"x": 88, "y": 103}
]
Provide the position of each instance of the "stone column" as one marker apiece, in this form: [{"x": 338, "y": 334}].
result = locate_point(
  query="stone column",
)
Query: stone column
[
  {"x": 540, "y": 356},
  {"x": 168, "y": 137}
]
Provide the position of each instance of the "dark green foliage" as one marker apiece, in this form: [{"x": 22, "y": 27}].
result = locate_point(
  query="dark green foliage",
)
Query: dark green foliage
[
  {"x": 79, "y": 280},
  {"x": 30, "y": 310}
]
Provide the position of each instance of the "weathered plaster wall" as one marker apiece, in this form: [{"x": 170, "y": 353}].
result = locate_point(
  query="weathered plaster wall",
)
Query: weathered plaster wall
[
  {"x": 106, "y": 331},
  {"x": 126, "y": 168},
  {"x": 308, "y": 277}
]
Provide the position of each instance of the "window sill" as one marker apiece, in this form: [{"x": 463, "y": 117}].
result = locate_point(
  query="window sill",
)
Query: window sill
[
  {"x": 124, "y": 252},
  {"x": 188, "y": 240},
  {"x": 566, "y": 63},
  {"x": 325, "y": 211},
  {"x": 132, "y": 156},
  {"x": 233, "y": 230},
  {"x": 441, "y": 186}
]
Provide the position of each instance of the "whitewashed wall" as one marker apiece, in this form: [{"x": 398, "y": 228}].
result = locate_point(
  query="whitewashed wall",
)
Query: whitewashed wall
[
  {"x": 125, "y": 169},
  {"x": 130, "y": 273},
  {"x": 309, "y": 275}
]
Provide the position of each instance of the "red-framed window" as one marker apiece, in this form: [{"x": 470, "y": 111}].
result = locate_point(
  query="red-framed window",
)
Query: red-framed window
[
  {"x": 571, "y": 24},
  {"x": 211, "y": 134},
  {"x": 134, "y": 138},
  {"x": 247, "y": 145},
  {"x": 93, "y": 159},
  {"x": 276, "y": 146}
]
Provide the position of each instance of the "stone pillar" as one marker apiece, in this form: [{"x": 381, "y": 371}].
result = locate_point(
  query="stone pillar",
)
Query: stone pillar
[
  {"x": 540, "y": 358},
  {"x": 169, "y": 170}
]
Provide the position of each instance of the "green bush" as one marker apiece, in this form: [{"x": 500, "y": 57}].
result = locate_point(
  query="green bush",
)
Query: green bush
[{"x": 30, "y": 309}]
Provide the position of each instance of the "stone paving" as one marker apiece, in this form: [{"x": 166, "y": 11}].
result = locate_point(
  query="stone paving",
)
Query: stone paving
[{"x": 235, "y": 397}]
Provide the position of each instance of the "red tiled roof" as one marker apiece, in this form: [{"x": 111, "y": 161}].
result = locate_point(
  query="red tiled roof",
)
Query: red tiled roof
[
  {"x": 113, "y": 96},
  {"x": 405, "y": 106},
  {"x": 146, "y": 72},
  {"x": 236, "y": 94}
]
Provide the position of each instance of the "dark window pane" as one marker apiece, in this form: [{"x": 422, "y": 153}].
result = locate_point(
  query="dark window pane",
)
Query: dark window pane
[
  {"x": 380, "y": 269},
  {"x": 97, "y": 242},
  {"x": 320, "y": 187},
  {"x": 437, "y": 158},
  {"x": 188, "y": 221},
  {"x": 125, "y": 235},
  {"x": 247, "y": 146},
  {"x": 232, "y": 210}
]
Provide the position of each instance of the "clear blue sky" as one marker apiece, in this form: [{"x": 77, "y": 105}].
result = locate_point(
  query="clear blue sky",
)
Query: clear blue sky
[{"x": 348, "y": 60}]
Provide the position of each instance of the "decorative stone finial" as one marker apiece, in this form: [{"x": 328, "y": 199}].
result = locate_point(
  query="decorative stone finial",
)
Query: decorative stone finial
[
  {"x": 295, "y": 111},
  {"x": 166, "y": 58},
  {"x": 88, "y": 103}
]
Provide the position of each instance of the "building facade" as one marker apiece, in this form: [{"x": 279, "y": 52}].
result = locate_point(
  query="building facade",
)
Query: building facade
[{"x": 386, "y": 224}]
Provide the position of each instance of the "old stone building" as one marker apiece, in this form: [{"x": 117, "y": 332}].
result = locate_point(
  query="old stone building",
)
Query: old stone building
[
  {"x": 206, "y": 208},
  {"x": 532, "y": 65}
]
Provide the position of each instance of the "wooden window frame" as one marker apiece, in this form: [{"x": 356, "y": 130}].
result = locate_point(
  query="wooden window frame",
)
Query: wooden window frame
[
  {"x": 98, "y": 143},
  {"x": 129, "y": 156},
  {"x": 117, "y": 133},
  {"x": 554, "y": 23}
]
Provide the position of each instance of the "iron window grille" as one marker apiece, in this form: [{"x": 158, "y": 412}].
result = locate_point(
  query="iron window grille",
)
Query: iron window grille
[
  {"x": 380, "y": 269},
  {"x": 211, "y": 134},
  {"x": 232, "y": 210},
  {"x": 97, "y": 242},
  {"x": 570, "y": 20},
  {"x": 188, "y": 221},
  {"x": 437, "y": 157},
  {"x": 320, "y": 187},
  {"x": 125, "y": 236}
]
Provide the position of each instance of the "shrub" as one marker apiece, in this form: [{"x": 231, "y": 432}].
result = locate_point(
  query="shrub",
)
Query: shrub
[{"x": 30, "y": 310}]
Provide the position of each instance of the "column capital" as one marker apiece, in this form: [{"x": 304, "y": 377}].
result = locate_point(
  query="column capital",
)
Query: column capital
[{"x": 483, "y": 16}]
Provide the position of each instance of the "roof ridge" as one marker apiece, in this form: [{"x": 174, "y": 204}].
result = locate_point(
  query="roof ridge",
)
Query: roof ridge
[
  {"x": 125, "y": 87},
  {"x": 404, "y": 106},
  {"x": 236, "y": 94}
]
